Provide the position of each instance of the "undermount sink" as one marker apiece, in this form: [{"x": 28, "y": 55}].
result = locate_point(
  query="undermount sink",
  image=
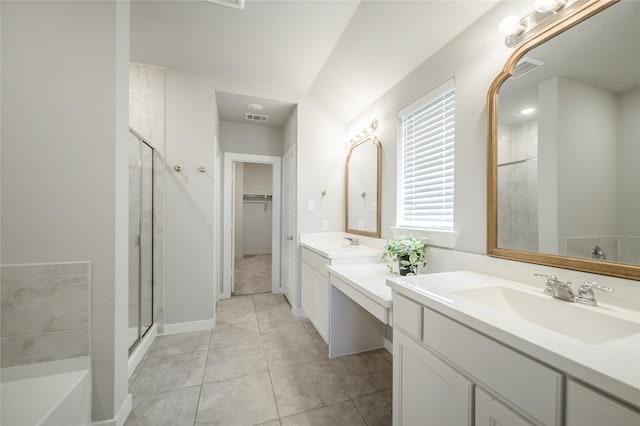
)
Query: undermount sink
[{"x": 588, "y": 324}]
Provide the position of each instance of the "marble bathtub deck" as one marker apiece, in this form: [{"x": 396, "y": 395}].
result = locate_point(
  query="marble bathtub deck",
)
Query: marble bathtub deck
[{"x": 259, "y": 366}]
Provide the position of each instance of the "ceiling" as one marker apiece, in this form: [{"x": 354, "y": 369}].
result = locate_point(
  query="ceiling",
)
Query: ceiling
[
  {"x": 602, "y": 52},
  {"x": 232, "y": 107},
  {"x": 345, "y": 53}
]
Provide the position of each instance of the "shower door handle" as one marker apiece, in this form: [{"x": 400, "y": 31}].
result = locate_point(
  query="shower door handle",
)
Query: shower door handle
[{"x": 290, "y": 237}]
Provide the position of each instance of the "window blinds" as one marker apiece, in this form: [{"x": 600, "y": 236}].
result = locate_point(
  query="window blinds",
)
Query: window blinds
[{"x": 427, "y": 132}]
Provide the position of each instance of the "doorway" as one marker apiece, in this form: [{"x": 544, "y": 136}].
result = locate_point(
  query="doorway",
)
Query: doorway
[{"x": 252, "y": 218}]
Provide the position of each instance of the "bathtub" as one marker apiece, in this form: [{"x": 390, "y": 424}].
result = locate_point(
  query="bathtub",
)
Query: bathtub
[{"x": 49, "y": 393}]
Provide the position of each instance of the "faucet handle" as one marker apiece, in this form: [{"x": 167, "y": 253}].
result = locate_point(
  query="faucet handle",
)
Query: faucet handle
[
  {"x": 551, "y": 282},
  {"x": 590, "y": 285},
  {"x": 585, "y": 294},
  {"x": 550, "y": 278}
]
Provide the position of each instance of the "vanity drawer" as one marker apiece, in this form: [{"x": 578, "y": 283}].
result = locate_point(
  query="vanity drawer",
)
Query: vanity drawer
[
  {"x": 316, "y": 261},
  {"x": 407, "y": 315},
  {"x": 530, "y": 387}
]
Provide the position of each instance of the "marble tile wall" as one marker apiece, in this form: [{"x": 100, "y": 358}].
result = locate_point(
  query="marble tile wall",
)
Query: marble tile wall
[
  {"x": 147, "y": 117},
  {"x": 45, "y": 312},
  {"x": 518, "y": 187},
  {"x": 617, "y": 248},
  {"x": 583, "y": 246}
]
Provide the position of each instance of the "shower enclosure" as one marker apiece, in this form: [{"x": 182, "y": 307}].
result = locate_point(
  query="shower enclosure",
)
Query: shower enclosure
[{"x": 140, "y": 238}]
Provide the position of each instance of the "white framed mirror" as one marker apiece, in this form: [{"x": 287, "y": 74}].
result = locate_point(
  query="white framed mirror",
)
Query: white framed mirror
[{"x": 363, "y": 187}]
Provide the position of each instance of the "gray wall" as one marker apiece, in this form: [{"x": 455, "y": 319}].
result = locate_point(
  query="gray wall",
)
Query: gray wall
[
  {"x": 64, "y": 160},
  {"x": 251, "y": 139},
  {"x": 474, "y": 59}
]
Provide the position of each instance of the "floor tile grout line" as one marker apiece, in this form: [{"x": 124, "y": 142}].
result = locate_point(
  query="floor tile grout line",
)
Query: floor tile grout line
[
  {"x": 264, "y": 352},
  {"x": 204, "y": 371},
  {"x": 359, "y": 412}
]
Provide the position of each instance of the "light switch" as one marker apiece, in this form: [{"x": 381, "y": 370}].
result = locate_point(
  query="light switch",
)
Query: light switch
[
  {"x": 325, "y": 225},
  {"x": 311, "y": 205}
]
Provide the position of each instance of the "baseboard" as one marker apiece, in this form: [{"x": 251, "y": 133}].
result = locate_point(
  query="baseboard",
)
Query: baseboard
[
  {"x": 388, "y": 346},
  {"x": 121, "y": 416},
  {"x": 181, "y": 327},
  {"x": 297, "y": 312},
  {"x": 142, "y": 349}
]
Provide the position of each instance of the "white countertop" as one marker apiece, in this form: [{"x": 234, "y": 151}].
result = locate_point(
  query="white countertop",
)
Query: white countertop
[
  {"x": 612, "y": 366},
  {"x": 334, "y": 246},
  {"x": 368, "y": 278}
]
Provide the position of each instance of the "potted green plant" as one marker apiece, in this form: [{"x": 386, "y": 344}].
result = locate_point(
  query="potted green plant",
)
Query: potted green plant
[{"x": 409, "y": 252}]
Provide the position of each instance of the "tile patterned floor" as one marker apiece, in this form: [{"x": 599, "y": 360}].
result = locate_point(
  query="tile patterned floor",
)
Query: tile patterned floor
[
  {"x": 252, "y": 274},
  {"x": 259, "y": 366}
]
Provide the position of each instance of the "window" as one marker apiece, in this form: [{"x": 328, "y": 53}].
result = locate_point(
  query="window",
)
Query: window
[{"x": 426, "y": 161}]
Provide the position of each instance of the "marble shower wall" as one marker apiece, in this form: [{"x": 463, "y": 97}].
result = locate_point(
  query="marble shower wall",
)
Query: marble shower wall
[
  {"x": 45, "y": 312},
  {"x": 147, "y": 117},
  {"x": 617, "y": 248},
  {"x": 518, "y": 187}
]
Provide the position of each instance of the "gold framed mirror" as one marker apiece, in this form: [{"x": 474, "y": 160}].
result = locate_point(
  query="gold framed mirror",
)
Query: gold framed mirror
[
  {"x": 364, "y": 188},
  {"x": 563, "y": 185}
]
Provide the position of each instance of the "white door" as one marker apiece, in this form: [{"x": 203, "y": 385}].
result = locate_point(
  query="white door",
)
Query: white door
[{"x": 289, "y": 224}]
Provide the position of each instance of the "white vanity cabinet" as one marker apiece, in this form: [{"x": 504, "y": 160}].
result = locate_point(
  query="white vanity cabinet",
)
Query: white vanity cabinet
[
  {"x": 315, "y": 291},
  {"x": 426, "y": 391},
  {"x": 442, "y": 368},
  {"x": 587, "y": 407},
  {"x": 491, "y": 412}
]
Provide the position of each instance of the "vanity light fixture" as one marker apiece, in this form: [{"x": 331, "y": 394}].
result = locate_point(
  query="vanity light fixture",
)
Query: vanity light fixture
[
  {"x": 549, "y": 5},
  {"x": 511, "y": 26},
  {"x": 363, "y": 133},
  {"x": 516, "y": 29}
]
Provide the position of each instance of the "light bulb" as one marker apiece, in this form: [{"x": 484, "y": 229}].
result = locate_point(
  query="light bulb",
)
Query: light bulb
[
  {"x": 548, "y": 5},
  {"x": 510, "y": 26}
]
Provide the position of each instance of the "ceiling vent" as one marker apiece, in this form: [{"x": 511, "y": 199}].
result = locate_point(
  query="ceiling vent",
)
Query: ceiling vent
[
  {"x": 526, "y": 65},
  {"x": 256, "y": 117}
]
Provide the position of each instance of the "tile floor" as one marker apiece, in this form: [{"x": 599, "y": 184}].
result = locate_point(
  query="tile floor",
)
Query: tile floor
[
  {"x": 253, "y": 274},
  {"x": 259, "y": 366}
]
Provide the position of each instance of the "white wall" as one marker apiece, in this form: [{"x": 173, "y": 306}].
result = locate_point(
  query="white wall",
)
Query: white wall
[
  {"x": 251, "y": 139},
  {"x": 64, "y": 160},
  {"x": 587, "y": 195},
  {"x": 474, "y": 58},
  {"x": 191, "y": 128},
  {"x": 238, "y": 211},
  {"x": 290, "y": 131},
  {"x": 628, "y": 164}
]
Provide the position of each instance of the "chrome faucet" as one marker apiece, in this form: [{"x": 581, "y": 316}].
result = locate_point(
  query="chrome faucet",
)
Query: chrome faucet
[
  {"x": 557, "y": 288},
  {"x": 353, "y": 241},
  {"x": 561, "y": 290},
  {"x": 585, "y": 293}
]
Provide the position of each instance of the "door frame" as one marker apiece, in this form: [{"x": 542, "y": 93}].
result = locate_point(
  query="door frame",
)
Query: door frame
[{"x": 227, "y": 220}]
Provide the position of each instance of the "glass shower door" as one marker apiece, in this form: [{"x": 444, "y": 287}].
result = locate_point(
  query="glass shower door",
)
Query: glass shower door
[{"x": 140, "y": 239}]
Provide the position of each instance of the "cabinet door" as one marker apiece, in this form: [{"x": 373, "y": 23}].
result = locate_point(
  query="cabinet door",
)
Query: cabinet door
[
  {"x": 321, "y": 304},
  {"x": 586, "y": 407},
  {"x": 307, "y": 290},
  {"x": 491, "y": 412},
  {"x": 426, "y": 391}
]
